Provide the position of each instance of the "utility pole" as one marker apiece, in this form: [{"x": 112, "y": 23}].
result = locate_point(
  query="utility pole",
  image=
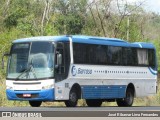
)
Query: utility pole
[{"x": 128, "y": 20}]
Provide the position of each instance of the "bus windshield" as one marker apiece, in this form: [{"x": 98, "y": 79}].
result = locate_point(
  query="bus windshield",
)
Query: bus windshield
[{"x": 31, "y": 61}]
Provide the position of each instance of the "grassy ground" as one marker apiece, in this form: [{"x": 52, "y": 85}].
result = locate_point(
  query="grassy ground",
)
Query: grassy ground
[{"x": 147, "y": 101}]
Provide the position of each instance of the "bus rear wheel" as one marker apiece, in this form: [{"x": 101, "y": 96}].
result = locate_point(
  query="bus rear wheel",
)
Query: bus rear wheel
[
  {"x": 35, "y": 103},
  {"x": 73, "y": 99},
  {"x": 93, "y": 103},
  {"x": 128, "y": 100}
]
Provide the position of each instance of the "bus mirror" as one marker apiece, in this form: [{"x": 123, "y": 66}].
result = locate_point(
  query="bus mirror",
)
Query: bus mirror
[
  {"x": 59, "y": 59},
  {"x": 5, "y": 54}
]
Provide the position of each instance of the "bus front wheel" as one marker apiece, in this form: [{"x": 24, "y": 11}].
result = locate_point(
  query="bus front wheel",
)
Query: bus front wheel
[
  {"x": 35, "y": 103},
  {"x": 73, "y": 99},
  {"x": 93, "y": 103},
  {"x": 128, "y": 100}
]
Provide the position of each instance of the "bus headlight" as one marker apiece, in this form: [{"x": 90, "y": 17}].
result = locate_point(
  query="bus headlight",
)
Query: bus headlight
[
  {"x": 9, "y": 87},
  {"x": 48, "y": 87}
]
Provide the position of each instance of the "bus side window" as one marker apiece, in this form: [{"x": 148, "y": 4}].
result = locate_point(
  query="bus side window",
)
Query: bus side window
[
  {"x": 124, "y": 56},
  {"x": 151, "y": 58},
  {"x": 131, "y": 56},
  {"x": 142, "y": 55},
  {"x": 114, "y": 55}
]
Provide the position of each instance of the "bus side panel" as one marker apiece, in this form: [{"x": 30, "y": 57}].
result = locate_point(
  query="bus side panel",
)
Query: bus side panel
[{"x": 103, "y": 92}]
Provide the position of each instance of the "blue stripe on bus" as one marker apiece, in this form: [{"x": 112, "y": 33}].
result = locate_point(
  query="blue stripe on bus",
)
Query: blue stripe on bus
[
  {"x": 42, "y": 95},
  {"x": 152, "y": 71},
  {"x": 103, "y": 92},
  {"x": 88, "y": 40}
]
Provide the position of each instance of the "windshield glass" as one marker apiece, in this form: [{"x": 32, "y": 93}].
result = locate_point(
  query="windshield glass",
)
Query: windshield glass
[{"x": 31, "y": 61}]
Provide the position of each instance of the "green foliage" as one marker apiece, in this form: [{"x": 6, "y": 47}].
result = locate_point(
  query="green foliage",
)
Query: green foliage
[
  {"x": 18, "y": 9},
  {"x": 69, "y": 24}
]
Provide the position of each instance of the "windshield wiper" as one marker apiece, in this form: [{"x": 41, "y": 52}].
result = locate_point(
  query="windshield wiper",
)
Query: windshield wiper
[
  {"x": 24, "y": 71},
  {"x": 29, "y": 69}
]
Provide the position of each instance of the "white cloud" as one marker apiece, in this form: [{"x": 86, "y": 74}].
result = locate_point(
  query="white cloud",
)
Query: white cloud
[
  {"x": 148, "y": 5},
  {"x": 132, "y": 1},
  {"x": 153, "y": 5}
]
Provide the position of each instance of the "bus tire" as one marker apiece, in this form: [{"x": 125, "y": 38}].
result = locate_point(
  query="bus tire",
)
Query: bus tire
[
  {"x": 73, "y": 99},
  {"x": 93, "y": 102},
  {"x": 128, "y": 100},
  {"x": 35, "y": 103}
]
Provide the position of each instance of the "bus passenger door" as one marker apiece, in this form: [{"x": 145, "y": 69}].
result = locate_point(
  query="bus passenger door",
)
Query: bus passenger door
[
  {"x": 59, "y": 62},
  {"x": 62, "y": 61},
  {"x": 62, "y": 64}
]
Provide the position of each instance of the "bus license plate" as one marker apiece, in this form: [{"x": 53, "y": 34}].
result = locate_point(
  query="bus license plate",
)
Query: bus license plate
[{"x": 26, "y": 95}]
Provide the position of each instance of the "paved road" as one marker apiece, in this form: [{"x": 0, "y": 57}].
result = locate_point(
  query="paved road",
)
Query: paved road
[
  {"x": 82, "y": 111},
  {"x": 80, "y": 108}
]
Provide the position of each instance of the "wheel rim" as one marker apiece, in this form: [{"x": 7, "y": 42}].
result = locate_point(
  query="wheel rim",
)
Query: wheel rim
[{"x": 73, "y": 97}]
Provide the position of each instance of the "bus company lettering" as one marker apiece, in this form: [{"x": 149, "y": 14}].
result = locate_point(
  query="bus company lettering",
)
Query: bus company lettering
[
  {"x": 80, "y": 71},
  {"x": 84, "y": 71}
]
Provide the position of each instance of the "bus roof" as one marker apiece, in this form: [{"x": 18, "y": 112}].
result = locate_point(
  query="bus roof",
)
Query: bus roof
[{"x": 87, "y": 40}]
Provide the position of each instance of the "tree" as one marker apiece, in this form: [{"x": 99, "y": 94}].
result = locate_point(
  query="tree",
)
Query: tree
[{"x": 70, "y": 16}]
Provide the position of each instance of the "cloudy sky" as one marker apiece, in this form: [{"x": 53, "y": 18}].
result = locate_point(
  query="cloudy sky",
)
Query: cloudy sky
[{"x": 150, "y": 5}]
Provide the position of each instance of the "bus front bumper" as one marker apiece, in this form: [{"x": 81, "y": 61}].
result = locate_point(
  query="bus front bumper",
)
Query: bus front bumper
[{"x": 38, "y": 95}]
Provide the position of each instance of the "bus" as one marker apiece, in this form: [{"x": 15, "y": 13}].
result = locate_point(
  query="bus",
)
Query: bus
[{"x": 71, "y": 67}]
